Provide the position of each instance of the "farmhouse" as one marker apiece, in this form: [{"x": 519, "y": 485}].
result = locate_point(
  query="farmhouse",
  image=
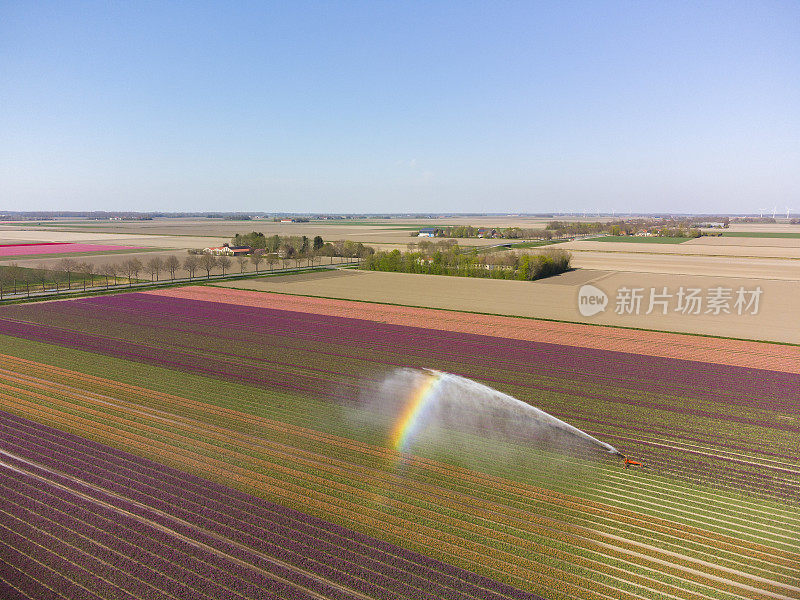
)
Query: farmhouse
[
  {"x": 427, "y": 232},
  {"x": 227, "y": 250}
]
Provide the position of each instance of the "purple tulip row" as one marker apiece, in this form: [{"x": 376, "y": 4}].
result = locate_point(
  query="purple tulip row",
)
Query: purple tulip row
[
  {"x": 186, "y": 361},
  {"x": 324, "y": 356},
  {"x": 244, "y": 328},
  {"x": 117, "y": 534},
  {"x": 320, "y": 381}
]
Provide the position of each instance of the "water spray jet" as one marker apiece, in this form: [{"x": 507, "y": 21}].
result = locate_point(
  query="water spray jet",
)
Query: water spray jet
[{"x": 429, "y": 403}]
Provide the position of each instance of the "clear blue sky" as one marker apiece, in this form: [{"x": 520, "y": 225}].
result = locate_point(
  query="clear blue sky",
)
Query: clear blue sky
[{"x": 400, "y": 106}]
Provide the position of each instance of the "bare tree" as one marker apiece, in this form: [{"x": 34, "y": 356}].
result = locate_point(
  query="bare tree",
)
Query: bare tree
[
  {"x": 242, "y": 260},
  {"x": 41, "y": 274},
  {"x": 109, "y": 270},
  {"x": 87, "y": 268},
  {"x": 191, "y": 264},
  {"x": 127, "y": 270},
  {"x": 155, "y": 265},
  {"x": 224, "y": 263},
  {"x": 208, "y": 262},
  {"x": 91, "y": 269},
  {"x": 131, "y": 268},
  {"x": 137, "y": 266},
  {"x": 15, "y": 273},
  {"x": 172, "y": 263},
  {"x": 272, "y": 258},
  {"x": 5, "y": 280},
  {"x": 256, "y": 258},
  {"x": 67, "y": 266}
]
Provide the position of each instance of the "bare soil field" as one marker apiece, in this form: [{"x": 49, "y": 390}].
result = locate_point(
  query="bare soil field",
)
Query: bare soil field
[
  {"x": 711, "y": 266},
  {"x": 673, "y": 345},
  {"x": 48, "y": 262},
  {"x": 761, "y": 258},
  {"x": 179, "y": 233},
  {"x": 745, "y": 242},
  {"x": 557, "y": 298},
  {"x": 739, "y": 247},
  {"x": 764, "y": 227},
  {"x": 9, "y": 235}
]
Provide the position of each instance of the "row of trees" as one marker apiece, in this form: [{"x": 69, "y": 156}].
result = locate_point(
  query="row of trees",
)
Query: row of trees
[
  {"x": 70, "y": 273},
  {"x": 554, "y": 229},
  {"x": 661, "y": 226},
  {"x": 678, "y": 230},
  {"x": 510, "y": 233},
  {"x": 291, "y": 246},
  {"x": 568, "y": 229},
  {"x": 451, "y": 261}
]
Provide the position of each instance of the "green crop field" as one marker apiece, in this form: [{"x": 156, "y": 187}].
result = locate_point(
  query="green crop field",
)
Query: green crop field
[{"x": 761, "y": 234}]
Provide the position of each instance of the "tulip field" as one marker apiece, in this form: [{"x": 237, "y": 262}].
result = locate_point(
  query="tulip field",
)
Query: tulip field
[
  {"x": 153, "y": 446},
  {"x": 56, "y": 248}
]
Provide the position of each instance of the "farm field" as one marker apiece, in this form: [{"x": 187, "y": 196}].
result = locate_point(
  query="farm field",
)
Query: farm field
[
  {"x": 275, "y": 403},
  {"x": 706, "y": 247},
  {"x": 639, "y": 240},
  {"x": 762, "y": 234},
  {"x": 193, "y": 233},
  {"x": 739, "y": 353},
  {"x": 760, "y": 257},
  {"x": 557, "y": 298},
  {"x": 172, "y": 535},
  {"x": 752, "y": 269},
  {"x": 764, "y": 227},
  {"x": 745, "y": 240},
  {"x": 28, "y": 249},
  {"x": 732, "y": 238}
]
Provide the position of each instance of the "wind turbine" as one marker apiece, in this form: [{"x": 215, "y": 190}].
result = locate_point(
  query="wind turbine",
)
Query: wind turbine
[
  {"x": 787, "y": 212},
  {"x": 774, "y": 210},
  {"x": 761, "y": 211}
]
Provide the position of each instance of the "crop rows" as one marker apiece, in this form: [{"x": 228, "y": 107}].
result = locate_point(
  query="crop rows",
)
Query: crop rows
[
  {"x": 549, "y": 541},
  {"x": 740, "y": 353},
  {"x": 56, "y": 248},
  {"x": 132, "y": 528},
  {"x": 725, "y": 426}
]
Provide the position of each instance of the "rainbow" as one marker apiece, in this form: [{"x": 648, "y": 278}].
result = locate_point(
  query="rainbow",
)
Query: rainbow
[{"x": 411, "y": 417}]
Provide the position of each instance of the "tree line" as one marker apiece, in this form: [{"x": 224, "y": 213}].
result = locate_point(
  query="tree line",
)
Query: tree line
[
  {"x": 659, "y": 226},
  {"x": 450, "y": 260},
  {"x": 289, "y": 246},
  {"x": 71, "y": 274},
  {"x": 510, "y": 233}
]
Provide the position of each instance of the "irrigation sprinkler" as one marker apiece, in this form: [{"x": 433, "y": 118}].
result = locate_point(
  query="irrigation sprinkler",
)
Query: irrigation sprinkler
[{"x": 628, "y": 462}]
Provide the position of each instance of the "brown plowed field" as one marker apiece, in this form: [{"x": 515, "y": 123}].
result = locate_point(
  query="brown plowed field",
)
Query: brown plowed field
[{"x": 688, "y": 347}]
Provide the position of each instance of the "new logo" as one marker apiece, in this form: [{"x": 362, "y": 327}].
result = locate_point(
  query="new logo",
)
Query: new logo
[{"x": 591, "y": 300}]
